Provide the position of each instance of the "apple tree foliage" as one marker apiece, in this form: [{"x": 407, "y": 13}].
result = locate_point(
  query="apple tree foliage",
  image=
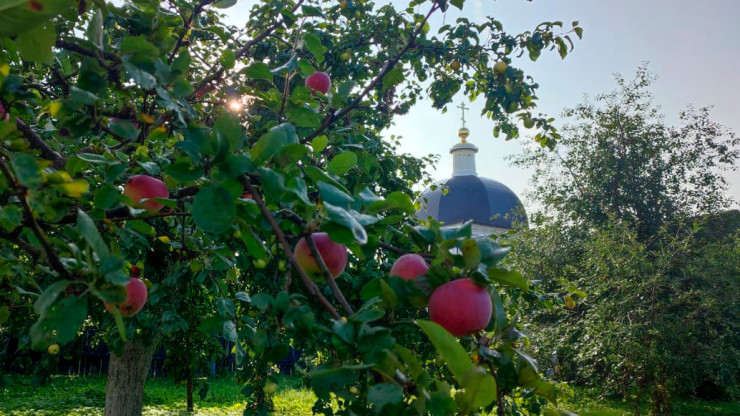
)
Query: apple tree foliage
[{"x": 93, "y": 92}]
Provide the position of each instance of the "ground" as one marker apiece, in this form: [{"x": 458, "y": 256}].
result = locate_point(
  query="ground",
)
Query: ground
[{"x": 79, "y": 396}]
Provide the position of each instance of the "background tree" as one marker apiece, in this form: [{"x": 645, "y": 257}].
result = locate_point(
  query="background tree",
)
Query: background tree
[
  {"x": 253, "y": 160},
  {"x": 632, "y": 220}
]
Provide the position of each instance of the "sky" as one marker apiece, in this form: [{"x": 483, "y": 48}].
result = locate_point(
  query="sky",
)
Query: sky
[{"x": 690, "y": 45}]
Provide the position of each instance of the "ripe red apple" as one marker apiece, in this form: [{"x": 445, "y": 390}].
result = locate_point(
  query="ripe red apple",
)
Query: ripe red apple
[
  {"x": 135, "y": 296},
  {"x": 139, "y": 187},
  {"x": 461, "y": 307},
  {"x": 319, "y": 81},
  {"x": 333, "y": 254},
  {"x": 409, "y": 266}
]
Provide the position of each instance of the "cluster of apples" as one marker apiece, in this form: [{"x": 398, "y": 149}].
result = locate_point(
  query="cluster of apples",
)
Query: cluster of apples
[
  {"x": 138, "y": 188},
  {"x": 460, "y": 306}
]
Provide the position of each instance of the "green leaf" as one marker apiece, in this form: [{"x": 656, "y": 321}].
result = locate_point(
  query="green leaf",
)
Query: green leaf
[
  {"x": 499, "y": 313},
  {"x": 213, "y": 209},
  {"x": 35, "y": 45},
  {"x": 454, "y": 355},
  {"x": 140, "y": 76},
  {"x": 346, "y": 88},
  {"x": 229, "y": 127},
  {"x": 317, "y": 175},
  {"x": 224, "y": 4},
  {"x": 83, "y": 97},
  {"x": 94, "y": 30},
  {"x": 111, "y": 267},
  {"x": 396, "y": 200},
  {"x": 333, "y": 195},
  {"x": 290, "y": 154},
  {"x": 17, "y": 17},
  {"x": 27, "y": 171},
  {"x": 471, "y": 253},
  {"x": 508, "y": 277},
  {"x": 49, "y": 295},
  {"x": 480, "y": 389},
  {"x": 90, "y": 233},
  {"x": 313, "y": 43},
  {"x": 342, "y": 163},
  {"x": 304, "y": 117},
  {"x": 229, "y": 331},
  {"x": 225, "y": 308},
  {"x": 184, "y": 171},
  {"x": 138, "y": 45},
  {"x": 319, "y": 143},
  {"x": 259, "y": 70},
  {"x": 457, "y": 3},
  {"x": 228, "y": 58},
  {"x": 60, "y": 323},
  {"x": 342, "y": 217},
  {"x": 271, "y": 142},
  {"x": 393, "y": 77},
  {"x": 384, "y": 394},
  {"x": 124, "y": 128}
]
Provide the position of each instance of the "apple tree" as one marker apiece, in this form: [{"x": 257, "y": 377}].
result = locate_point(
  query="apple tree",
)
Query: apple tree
[{"x": 105, "y": 105}]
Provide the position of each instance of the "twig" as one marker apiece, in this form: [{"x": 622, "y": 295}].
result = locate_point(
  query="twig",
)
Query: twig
[
  {"x": 310, "y": 285},
  {"x": 22, "y": 193},
  {"x": 241, "y": 52},
  {"x": 58, "y": 161},
  {"x": 327, "y": 274},
  {"x": 186, "y": 27},
  {"x": 331, "y": 118}
]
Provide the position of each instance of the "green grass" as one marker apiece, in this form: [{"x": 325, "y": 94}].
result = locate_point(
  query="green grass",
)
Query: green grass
[
  {"x": 588, "y": 403},
  {"x": 79, "y": 396}
]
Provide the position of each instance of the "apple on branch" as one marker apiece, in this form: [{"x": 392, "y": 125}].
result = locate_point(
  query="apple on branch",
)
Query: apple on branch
[
  {"x": 333, "y": 254},
  {"x": 136, "y": 296},
  {"x": 409, "y": 266},
  {"x": 140, "y": 187},
  {"x": 461, "y": 307},
  {"x": 319, "y": 81}
]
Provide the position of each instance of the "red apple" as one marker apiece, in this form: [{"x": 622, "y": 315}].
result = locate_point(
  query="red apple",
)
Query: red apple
[
  {"x": 409, "y": 266},
  {"x": 319, "y": 81},
  {"x": 333, "y": 254},
  {"x": 139, "y": 187},
  {"x": 4, "y": 114},
  {"x": 135, "y": 296},
  {"x": 461, "y": 307}
]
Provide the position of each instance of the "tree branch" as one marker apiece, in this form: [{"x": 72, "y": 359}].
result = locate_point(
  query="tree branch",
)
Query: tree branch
[
  {"x": 22, "y": 193},
  {"x": 331, "y": 118},
  {"x": 241, "y": 52},
  {"x": 58, "y": 161},
  {"x": 327, "y": 274},
  {"x": 186, "y": 27},
  {"x": 310, "y": 285}
]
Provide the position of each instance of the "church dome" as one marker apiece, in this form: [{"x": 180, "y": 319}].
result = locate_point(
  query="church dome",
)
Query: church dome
[
  {"x": 487, "y": 202},
  {"x": 490, "y": 204}
]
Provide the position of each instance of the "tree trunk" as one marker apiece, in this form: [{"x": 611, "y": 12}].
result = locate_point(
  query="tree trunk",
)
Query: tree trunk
[
  {"x": 124, "y": 395},
  {"x": 190, "y": 391}
]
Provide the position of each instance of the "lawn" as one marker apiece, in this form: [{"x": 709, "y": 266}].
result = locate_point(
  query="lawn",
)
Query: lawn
[{"x": 79, "y": 396}]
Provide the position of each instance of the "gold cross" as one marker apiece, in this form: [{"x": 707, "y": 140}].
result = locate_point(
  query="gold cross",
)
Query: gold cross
[{"x": 463, "y": 108}]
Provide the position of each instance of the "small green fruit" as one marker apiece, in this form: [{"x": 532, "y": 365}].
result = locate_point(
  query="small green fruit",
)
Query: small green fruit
[
  {"x": 499, "y": 67},
  {"x": 54, "y": 349},
  {"x": 529, "y": 122},
  {"x": 270, "y": 387},
  {"x": 259, "y": 263}
]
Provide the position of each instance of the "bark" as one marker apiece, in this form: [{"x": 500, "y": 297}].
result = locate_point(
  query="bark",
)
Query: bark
[
  {"x": 190, "y": 392},
  {"x": 124, "y": 395}
]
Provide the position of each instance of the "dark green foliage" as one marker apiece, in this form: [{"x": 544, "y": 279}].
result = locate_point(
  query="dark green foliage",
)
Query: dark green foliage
[{"x": 639, "y": 261}]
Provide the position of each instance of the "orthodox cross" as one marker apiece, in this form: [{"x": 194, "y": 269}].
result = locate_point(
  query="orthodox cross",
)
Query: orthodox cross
[{"x": 463, "y": 108}]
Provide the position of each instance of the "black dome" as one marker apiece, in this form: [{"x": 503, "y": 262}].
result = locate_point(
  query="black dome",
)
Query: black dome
[{"x": 485, "y": 201}]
